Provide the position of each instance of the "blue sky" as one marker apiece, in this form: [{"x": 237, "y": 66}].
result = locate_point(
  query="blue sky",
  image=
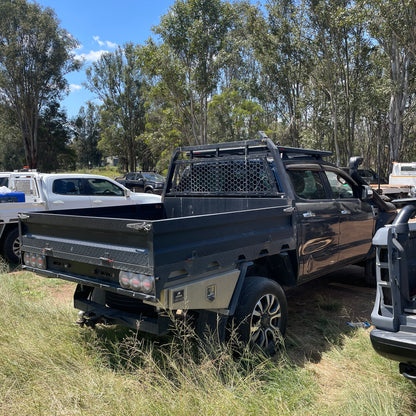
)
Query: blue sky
[{"x": 102, "y": 25}]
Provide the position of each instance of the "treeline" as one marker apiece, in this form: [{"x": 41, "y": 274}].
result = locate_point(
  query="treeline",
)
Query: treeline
[{"x": 325, "y": 74}]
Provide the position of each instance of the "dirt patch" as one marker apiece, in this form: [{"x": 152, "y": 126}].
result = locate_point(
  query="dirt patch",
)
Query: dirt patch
[
  {"x": 319, "y": 312},
  {"x": 62, "y": 294}
]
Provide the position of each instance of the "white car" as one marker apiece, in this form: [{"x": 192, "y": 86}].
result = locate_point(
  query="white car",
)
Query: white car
[
  {"x": 78, "y": 191},
  {"x": 33, "y": 191}
]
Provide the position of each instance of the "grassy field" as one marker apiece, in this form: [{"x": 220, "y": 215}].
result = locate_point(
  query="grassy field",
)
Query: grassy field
[{"x": 50, "y": 366}]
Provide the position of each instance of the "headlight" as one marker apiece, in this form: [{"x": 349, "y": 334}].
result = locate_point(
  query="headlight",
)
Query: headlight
[{"x": 136, "y": 281}]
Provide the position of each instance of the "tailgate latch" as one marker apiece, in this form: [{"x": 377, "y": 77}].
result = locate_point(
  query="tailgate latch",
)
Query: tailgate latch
[{"x": 140, "y": 226}]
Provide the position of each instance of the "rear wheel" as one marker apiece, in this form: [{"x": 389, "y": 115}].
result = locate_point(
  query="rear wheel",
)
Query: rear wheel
[
  {"x": 261, "y": 316},
  {"x": 11, "y": 246}
]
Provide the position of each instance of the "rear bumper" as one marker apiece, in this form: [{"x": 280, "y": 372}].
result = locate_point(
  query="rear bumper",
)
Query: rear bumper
[{"x": 398, "y": 346}]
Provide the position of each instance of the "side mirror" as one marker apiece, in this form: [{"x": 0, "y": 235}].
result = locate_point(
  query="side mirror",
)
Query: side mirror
[
  {"x": 127, "y": 193},
  {"x": 366, "y": 192}
]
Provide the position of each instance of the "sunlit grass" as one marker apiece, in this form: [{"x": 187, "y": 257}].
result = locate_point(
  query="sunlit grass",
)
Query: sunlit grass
[{"x": 50, "y": 366}]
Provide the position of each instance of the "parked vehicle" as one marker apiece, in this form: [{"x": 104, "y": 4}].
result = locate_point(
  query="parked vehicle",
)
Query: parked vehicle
[
  {"x": 394, "y": 313},
  {"x": 368, "y": 175},
  {"x": 34, "y": 191},
  {"x": 240, "y": 222},
  {"x": 389, "y": 190},
  {"x": 150, "y": 182}
]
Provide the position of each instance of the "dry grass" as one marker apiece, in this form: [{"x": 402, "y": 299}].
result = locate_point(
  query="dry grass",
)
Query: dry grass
[{"x": 49, "y": 366}]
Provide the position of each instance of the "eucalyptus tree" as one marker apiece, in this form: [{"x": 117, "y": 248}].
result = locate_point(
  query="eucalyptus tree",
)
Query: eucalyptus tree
[
  {"x": 116, "y": 79},
  {"x": 35, "y": 55},
  {"x": 329, "y": 61},
  {"x": 168, "y": 113},
  {"x": 282, "y": 50},
  {"x": 54, "y": 137},
  {"x": 193, "y": 34},
  {"x": 393, "y": 26},
  {"x": 86, "y": 128},
  {"x": 12, "y": 155},
  {"x": 231, "y": 117}
]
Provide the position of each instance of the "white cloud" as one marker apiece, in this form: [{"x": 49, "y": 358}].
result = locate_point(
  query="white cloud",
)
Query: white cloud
[
  {"x": 105, "y": 43},
  {"x": 92, "y": 56},
  {"x": 75, "y": 87},
  {"x": 97, "y": 39}
]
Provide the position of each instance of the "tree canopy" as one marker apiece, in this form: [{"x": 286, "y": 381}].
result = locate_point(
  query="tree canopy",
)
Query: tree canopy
[
  {"x": 35, "y": 56},
  {"x": 326, "y": 74}
]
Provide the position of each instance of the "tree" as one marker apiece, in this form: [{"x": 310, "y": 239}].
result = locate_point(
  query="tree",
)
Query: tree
[
  {"x": 12, "y": 155},
  {"x": 233, "y": 118},
  {"x": 283, "y": 54},
  {"x": 87, "y": 135},
  {"x": 35, "y": 55},
  {"x": 116, "y": 79},
  {"x": 54, "y": 138},
  {"x": 194, "y": 32},
  {"x": 392, "y": 24}
]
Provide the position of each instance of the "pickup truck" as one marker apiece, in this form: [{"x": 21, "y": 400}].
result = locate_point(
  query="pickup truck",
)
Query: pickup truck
[
  {"x": 239, "y": 224},
  {"x": 394, "y": 313},
  {"x": 150, "y": 182},
  {"x": 42, "y": 192}
]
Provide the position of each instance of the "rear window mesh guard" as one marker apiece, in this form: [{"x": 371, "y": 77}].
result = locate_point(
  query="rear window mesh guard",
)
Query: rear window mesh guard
[{"x": 236, "y": 176}]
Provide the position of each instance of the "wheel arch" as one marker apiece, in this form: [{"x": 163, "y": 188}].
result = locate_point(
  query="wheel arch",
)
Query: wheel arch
[{"x": 282, "y": 268}]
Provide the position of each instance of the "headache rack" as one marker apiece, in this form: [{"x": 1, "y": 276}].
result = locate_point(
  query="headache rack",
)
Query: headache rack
[{"x": 239, "y": 169}]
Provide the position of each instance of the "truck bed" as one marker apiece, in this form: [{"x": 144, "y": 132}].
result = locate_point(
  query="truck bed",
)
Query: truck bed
[{"x": 94, "y": 242}]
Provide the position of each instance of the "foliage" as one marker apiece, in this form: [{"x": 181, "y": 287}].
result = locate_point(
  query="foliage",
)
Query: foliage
[
  {"x": 34, "y": 58},
  {"x": 336, "y": 75},
  {"x": 233, "y": 118},
  {"x": 116, "y": 79},
  {"x": 86, "y": 136},
  {"x": 53, "y": 141},
  {"x": 12, "y": 155},
  {"x": 193, "y": 33}
]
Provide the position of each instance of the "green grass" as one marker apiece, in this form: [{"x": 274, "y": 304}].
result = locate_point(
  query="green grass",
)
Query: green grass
[
  {"x": 108, "y": 171},
  {"x": 50, "y": 366}
]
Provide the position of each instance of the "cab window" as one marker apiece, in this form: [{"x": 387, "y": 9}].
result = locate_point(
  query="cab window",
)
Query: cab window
[
  {"x": 71, "y": 186},
  {"x": 307, "y": 184},
  {"x": 339, "y": 186},
  {"x": 98, "y": 186}
]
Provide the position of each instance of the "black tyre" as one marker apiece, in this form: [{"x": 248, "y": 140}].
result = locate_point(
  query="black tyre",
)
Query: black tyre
[
  {"x": 261, "y": 315},
  {"x": 370, "y": 278},
  {"x": 11, "y": 246}
]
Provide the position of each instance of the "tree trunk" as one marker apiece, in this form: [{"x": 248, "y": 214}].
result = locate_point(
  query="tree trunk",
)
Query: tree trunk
[{"x": 399, "y": 62}]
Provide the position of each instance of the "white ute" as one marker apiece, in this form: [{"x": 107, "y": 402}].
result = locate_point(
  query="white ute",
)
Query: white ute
[{"x": 34, "y": 191}]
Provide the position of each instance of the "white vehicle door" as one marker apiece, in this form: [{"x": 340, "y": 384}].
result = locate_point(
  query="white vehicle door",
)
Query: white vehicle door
[{"x": 66, "y": 193}]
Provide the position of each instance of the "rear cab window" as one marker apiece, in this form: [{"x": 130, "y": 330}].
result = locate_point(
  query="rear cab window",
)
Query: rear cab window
[{"x": 71, "y": 186}]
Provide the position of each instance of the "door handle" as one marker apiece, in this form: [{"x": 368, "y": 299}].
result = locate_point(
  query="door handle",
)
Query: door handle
[
  {"x": 309, "y": 214},
  {"x": 97, "y": 201},
  {"x": 345, "y": 212}
]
